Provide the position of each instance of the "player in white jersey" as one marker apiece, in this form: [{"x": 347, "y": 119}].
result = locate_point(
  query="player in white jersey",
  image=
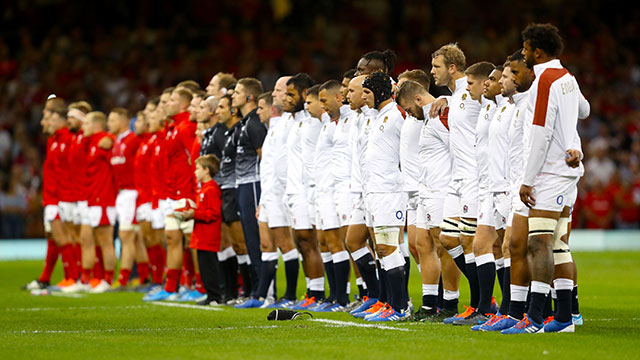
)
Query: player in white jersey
[
  {"x": 296, "y": 191},
  {"x": 330, "y": 167},
  {"x": 548, "y": 181},
  {"x": 357, "y": 232},
  {"x": 434, "y": 176},
  {"x": 385, "y": 197}
]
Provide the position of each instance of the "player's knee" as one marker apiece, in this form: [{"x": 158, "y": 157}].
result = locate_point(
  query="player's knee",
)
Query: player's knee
[
  {"x": 561, "y": 251},
  {"x": 541, "y": 232}
]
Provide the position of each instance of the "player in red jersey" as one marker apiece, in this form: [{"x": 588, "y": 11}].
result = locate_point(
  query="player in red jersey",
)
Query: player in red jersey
[
  {"x": 102, "y": 193},
  {"x": 122, "y": 158},
  {"x": 58, "y": 241},
  {"x": 181, "y": 186}
]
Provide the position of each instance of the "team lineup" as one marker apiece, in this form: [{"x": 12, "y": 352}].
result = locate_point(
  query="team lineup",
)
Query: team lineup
[{"x": 478, "y": 164}]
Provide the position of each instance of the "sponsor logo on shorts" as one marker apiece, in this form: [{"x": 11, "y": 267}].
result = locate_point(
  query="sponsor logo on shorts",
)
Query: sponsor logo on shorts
[
  {"x": 399, "y": 214},
  {"x": 465, "y": 209},
  {"x": 344, "y": 216},
  {"x": 560, "y": 199},
  {"x": 428, "y": 217},
  {"x": 480, "y": 216}
]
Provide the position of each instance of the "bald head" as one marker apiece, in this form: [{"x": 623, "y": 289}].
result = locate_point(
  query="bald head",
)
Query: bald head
[
  {"x": 354, "y": 92},
  {"x": 279, "y": 91}
]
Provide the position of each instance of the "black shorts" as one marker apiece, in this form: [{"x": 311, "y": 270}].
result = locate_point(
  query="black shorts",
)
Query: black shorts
[{"x": 230, "y": 210}]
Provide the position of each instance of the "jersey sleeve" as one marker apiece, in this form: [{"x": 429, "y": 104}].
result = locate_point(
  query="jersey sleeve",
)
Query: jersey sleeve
[{"x": 257, "y": 133}]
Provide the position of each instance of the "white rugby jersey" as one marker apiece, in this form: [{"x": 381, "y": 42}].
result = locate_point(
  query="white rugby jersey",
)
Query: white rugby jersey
[
  {"x": 280, "y": 135},
  {"x": 368, "y": 123},
  {"x": 516, "y": 140},
  {"x": 267, "y": 170},
  {"x": 499, "y": 146},
  {"x": 554, "y": 103},
  {"x": 342, "y": 148},
  {"x": 323, "y": 165},
  {"x": 463, "y": 116},
  {"x": 435, "y": 158},
  {"x": 355, "y": 130},
  {"x": 309, "y": 138},
  {"x": 382, "y": 158},
  {"x": 482, "y": 140},
  {"x": 409, "y": 161},
  {"x": 296, "y": 182}
]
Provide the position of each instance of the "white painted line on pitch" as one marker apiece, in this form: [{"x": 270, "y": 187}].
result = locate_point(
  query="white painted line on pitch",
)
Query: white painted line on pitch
[
  {"x": 76, "y": 308},
  {"x": 69, "y": 295},
  {"x": 139, "y": 330},
  {"x": 186, "y": 306},
  {"x": 339, "y": 323}
]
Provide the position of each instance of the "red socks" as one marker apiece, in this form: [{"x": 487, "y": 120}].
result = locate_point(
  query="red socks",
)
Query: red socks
[
  {"x": 123, "y": 278},
  {"x": 68, "y": 261},
  {"x": 172, "y": 280},
  {"x": 188, "y": 269},
  {"x": 49, "y": 261},
  {"x": 108, "y": 276},
  {"x": 86, "y": 276},
  {"x": 98, "y": 267},
  {"x": 77, "y": 253},
  {"x": 143, "y": 272},
  {"x": 156, "y": 259},
  {"x": 199, "y": 284}
]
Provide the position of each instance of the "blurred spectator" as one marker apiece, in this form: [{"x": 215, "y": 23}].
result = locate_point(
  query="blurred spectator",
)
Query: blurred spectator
[
  {"x": 599, "y": 167},
  {"x": 598, "y": 207},
  {"x": 13, "y": 206},
  {"x": 628, "y": 204}
]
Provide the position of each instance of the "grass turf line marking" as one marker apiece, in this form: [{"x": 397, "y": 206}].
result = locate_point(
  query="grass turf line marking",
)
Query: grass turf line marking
[
  {"x": 77, "y": 308},
  {"x": 339, "y": 323},
  {"x": 61, "y": 294},
  {"x": 185, "y": 306},
  {"x": 94, "y": 331}
]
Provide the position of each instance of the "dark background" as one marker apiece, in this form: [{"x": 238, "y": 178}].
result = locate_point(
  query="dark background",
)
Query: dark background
[{"x": 121, "y": 53}]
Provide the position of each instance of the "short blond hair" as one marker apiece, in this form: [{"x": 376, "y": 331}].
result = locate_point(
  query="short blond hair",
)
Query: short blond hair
[
  {"x": 97, "y": 117},
  {"x": 452, "y": 54}
]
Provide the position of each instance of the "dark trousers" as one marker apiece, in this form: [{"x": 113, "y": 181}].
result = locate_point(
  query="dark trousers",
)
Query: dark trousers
[
  {"x": 211, "y": 275},
  {"x": 248, "y": 196}
]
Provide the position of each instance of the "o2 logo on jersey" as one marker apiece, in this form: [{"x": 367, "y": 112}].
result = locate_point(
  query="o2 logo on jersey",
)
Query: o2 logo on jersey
[
  {"x": 399, "y": 214},
  {"x": 560, "y": 199},
  {"x": 381, "y": 128}
]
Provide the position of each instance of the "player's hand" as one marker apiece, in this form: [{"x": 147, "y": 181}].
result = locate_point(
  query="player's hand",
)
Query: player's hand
[
  {"x": 105, "y": 143},
  {"x": 437, "y": 107},
  {"x": 573, "y": 158},
  {"x": 526, "y": 196},
  {"x": 258, "y": 211}
]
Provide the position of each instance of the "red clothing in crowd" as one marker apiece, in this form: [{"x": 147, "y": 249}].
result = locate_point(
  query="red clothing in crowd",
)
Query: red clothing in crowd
[
  {"x": 102, "y": 187},
  {"x": 208, "y": 218},
  {"x": 158, "y": 167},
  {"x": 78, "y": 150},
  {"x": 142, "y": 166},
  {"x": 180, "y": 140},
  {"x": 601, "y": 204},
  {"x": 123, "y": 153}
]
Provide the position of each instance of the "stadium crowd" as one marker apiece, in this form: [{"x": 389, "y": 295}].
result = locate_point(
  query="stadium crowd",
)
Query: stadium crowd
[
  {"x": 119, "y": 64},
  {"x": 207, "y": 185}
]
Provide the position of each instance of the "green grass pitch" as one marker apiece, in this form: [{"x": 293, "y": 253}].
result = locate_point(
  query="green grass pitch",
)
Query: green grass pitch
[{"x": 120, "y": 325}]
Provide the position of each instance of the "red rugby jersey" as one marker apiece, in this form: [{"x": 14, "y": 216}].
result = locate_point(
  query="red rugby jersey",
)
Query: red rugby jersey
[
  {"x": 123, "y": 154},
  {"x": 101, "y": 184},
  {"x": 181, "y": 177},
  {"x": 208, "y": 218},
  {"x": 158, "y": 166},
  {"x": 78, "y": 150},
  {"x": 62, "y": 169},
  {"x": 141, "y": 166},
  {"x": 49, "y": 196}
]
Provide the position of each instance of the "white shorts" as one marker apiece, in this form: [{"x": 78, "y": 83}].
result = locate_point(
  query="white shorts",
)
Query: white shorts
[
  {"x": 357, "y": 215},
  {"x": 367, "y": 211},
  {"x": 327, "y": 213},
  {"x": 462, "y": 195},
  {"x": 387, "y": 209},
  {"x": 430, "y": 212},
  {"x": 298, "y": 211},
  {"x": 552, "y": 192},
  {"x": 274, "y": 213},
  {"x": 343, "y": 201},
  {"x": 157, "y": 218},
  {"x": 412, "y": 206},
  {"x": 102, "y": 216},
  {"x": 144, "y": 212},
  {"x": 81, "y": 215},
  {"x": 66, "y": 211},
  {"x": 312, "y": 211},
  {"x": 494, "y": 209},
  {"x": 126, "y": 209},
  {"x": 51, "y": 212}
]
